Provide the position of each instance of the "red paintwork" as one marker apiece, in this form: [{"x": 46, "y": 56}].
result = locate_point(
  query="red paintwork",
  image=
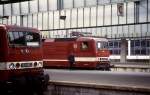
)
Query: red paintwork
[
  {"x": 60, "y": 48},
  {"x": 13, "y": 54}
]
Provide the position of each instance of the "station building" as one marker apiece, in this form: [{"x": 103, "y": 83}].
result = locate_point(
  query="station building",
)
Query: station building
[{"x": 126, "y": 23}]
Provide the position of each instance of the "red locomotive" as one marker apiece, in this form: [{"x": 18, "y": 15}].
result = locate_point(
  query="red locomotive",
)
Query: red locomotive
[
  {"x": 80, "y": 52},
  {"x": 21, "y": 65}
]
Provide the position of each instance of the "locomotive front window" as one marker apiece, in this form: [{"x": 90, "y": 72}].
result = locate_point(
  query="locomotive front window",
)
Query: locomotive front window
[
  {"x": 102, "y": 45},
  {"x": 24, "y": 39}
]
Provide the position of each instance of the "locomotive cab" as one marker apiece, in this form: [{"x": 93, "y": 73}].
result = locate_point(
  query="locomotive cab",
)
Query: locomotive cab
[{"x": 21, "y": 65}]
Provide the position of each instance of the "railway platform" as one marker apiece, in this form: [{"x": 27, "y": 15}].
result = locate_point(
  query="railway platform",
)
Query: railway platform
[
  {"x": 131, "y": 66},
  {"x": 85, "y": 82}
]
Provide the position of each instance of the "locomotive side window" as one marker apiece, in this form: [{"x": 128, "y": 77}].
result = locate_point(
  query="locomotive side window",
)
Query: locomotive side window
[
  {"x": 84, "y": 45},
  {"x": 24, "y": 39}
]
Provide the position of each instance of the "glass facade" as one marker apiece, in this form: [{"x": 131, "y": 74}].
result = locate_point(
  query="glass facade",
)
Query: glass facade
[{"x": 94, "y": 17}]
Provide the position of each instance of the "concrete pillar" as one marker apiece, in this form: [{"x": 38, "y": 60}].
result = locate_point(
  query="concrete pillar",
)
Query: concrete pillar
[
  {"x": 123, "y": 52},
  {"x": 129, "y": 47}
]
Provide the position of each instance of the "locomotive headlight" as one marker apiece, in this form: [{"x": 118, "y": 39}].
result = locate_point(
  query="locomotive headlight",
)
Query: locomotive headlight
[
  {"x": 40, "y": 64},
  {"x": 35, "y": 64},
  {"x": 11, "y": 66},
  {"x": 17, "y": 65}
]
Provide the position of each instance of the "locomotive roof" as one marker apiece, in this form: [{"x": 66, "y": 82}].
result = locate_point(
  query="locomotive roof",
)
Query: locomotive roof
[
  {"x": 15, "y": 27},
  {"x": 75, "y": 39}
]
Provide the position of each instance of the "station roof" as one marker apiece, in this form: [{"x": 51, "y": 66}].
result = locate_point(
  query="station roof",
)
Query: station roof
[{"x": 11, "y": 1}]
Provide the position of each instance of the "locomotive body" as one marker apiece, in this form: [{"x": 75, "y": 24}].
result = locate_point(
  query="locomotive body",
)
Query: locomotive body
[
  {"x": 88, "y": 52},
  {"x": 21, "y": 62}
]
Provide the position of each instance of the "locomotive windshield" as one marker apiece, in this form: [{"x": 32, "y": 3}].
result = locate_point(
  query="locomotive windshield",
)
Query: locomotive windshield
[
  {"x": 24, "y": 39},
  {"x": 102, "y": 45}
]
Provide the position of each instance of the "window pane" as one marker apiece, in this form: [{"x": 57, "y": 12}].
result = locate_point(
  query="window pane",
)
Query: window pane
[
  {"x": 1, "y": 10},
  {"x": 130, "y": 13},
  {"x": 25, "y": 21},
  {"x": 68, "y": 3},
  {"x": 13, "y": 20},
  {"x": 144, "y": 30},
  {"x": 80, "y": 17},
  {"x": 18, "y": 20},
  {"x": 94, "y": 32},
  {"x": 93, "y": 16},
  {"x": 68, "y": 19},
  {"x": 109, "y": 34},
  {"x": 100, "y": 16},
  {"x": 125, "y": 31},
  {"x": 114, "y": 14},
  {"x": 7, "y": 9},
  {"x": 86, "y": 16},
  {"x": 120, "y": 31},
  {"x": 99, "y": 33},
  {"x": 0, "y": 21},
  {"x": 24, "y": 8},
  {"x": 9, "y": 20},
  {"x": 5, "y": 21},
  {"x": 29, "y": 20},
  {"x": 42, "y": 5},
  {"x": 149, "y": 11},
  {"x": 15, "y": 9},
  {"x": 51, "y": 20},
  {"x": 90, "y": 2},
  {"x": 40, "y": 21},
  {"x": 78, "y": 3},
  {"x": 148, "y": 34},
  {"x": 131, "y": 30},
  {"x": 103, "y": 2},
  {"x": 143, "y": 11},
  {"x": 52, "y": 4},
  {"x": 74, "y": 18},
  {"x": 120, "y": 1},
  {"x": 122, "y": 19},
  {"x": 104, "y": 32},
  {"x": 114, "y": 32},
  {"x": 84, "y": 46},
  {"x": 56, "y": 18},
  {"x": 33, "y": 6},
  {"x": 62, "y": 21},
  {"x": 35, "y": 20},
  {"x": 137, "y": 32},
  {"x": 45, "y": 20},
  {"x": 107, "y": 15}
]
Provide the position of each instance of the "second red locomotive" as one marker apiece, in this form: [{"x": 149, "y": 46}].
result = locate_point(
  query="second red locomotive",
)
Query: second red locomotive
[{"x": 80, "y": 52}]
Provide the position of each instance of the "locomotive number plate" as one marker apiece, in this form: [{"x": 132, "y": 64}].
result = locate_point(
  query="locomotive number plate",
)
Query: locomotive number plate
[{"x": 26, "y": 65}]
